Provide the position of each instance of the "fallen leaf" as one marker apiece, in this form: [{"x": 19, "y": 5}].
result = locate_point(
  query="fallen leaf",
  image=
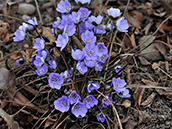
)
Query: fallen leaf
[
  {"x": 29, "y": 53},
  {"x": 49, "y": 122},
  {"x": 46, "y": 33},
  {"x": 149, "y": 99},
  {"x": 137, "y": 16},
  {"x": 130, "y": 124},
  {"x": 126, "y": 103},
  {"x": 133, "y": 40},
  {"x": 16, "y": 55}
]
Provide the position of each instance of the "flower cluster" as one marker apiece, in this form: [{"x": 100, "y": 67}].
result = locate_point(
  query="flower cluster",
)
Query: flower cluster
[
  {"x": 119, "y": 87},
  {"x": 21, "y": 33},
  {"x": 79, "y": 109},
  {"x": 92, "y": 55}
]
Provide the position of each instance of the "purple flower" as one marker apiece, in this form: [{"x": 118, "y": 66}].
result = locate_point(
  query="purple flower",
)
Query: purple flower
[
  {"x": 55, "y": 80},
  {"x": 105, "y": 102},
  {"x": 83, "y": 1},
  {"x": 42, "y": 70},
  {"x": 69, "y": 30},
  {"x": 90, "y": 62},
  {"x": 54, "y": 31},
  {"x": 114, "y": 12},
  {"x": 62, "y": 104},
  {"x": 90, "y": 101},
  {"x": 102, "y": 59},
  {"x": 101, "y": 117},
  {"x": 63, "y": 6},
  {"x": 19, "y": 61},
  {"x": 42, "y": 53},
  {"x": 62, "y": 41},
  {"x": 39, "y": 44},
  {"x": 79, "y": 109},
  {"x": 33, "y": 21},
  {"x": 99, "y": 30},
  {"x": 82, "y": 28},
  {"x": 84, "y": 13},
  {"x": 66, "y": 21},
  {"x": 39, "y": 61},
  {"x": 122, "y": 24},
  {"x": 57, "y": 23},
  {"x": 88, "y": 37},
  {"x": 19, "y": 34},
  {"x": 52, "y": 64},
  {"x": 108, "y": 27},
  {"x": 123, "y": 93},
  {"x": 90, "y": 51},
  {"x": 66, "y": 74},
  {"x": 75, "y": 16},
  {"x": 91, "y": 86},
  {"x": 81, "y": 67},
  {"x": 74, "y": 97},
  {"x": 102, "y": 49},
  {"x": 117, "y": 69},
  {"x": 118, "y": 83},
  {"x": 88, "y": 25},
  {"x": 95, "y": 20},
  {"x": 77, "y": 54},
  {"x": 98, "y": 67}
]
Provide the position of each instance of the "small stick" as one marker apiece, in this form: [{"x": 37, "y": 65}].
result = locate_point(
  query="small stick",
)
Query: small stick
[
  {"x": 37, "y": 7},
  {"x": 119, "y": 121}
]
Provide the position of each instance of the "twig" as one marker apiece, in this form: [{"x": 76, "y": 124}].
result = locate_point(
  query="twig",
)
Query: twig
[
  {"x": 61, "y": 122},
  {"x": 119, "y": 121},
  {"x": 37, "y": 7},
  {"x": 125, "y": 11}
]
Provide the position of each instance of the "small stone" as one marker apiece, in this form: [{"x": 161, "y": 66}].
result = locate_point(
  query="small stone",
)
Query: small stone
[
  {"x": 27, "y": 9},
  {"x": 126, "y": 103},
  {"x": 26, "y": 45},
  {"x": 25, "y": 16}
]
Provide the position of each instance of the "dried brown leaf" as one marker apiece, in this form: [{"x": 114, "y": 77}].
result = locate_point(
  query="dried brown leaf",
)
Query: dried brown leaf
[
  {"x": 29, "y": 53},
  {"x": 4, "y": 35},
  {"x": 149, "y": 99},
  {"x": 48, "y": 34},
  {"x": 16, "y": 55}
]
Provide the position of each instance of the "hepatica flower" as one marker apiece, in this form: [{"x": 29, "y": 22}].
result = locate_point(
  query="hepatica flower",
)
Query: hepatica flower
[
  {"x": 105, "y": 102},
  {"x": 39, "y": 61},
  {"x": 83, "y": 1},
  {"x": 117, "y": 69},
  {"x": 122, "y": 24},
  {"x": 20, "y": 34},
  {"x": 55, "y": 80},
  {"x": 92, "y": 85},
  {"x": 52, "y": 64},
  {"x": 42, "y": 53},
  {"x": 74, "y": 97},
  {"x": 95, "y": 20},
  {"x": 62, "y": 104},
  {"x": 42, "y": 70},
  {"x": 81, "y": 67},
  {"x": 84, "y": 13},
  {"x": 123, "y": 93},
  {"x": 101, "y": 117},
  {"x": 57, "y": 23},
  {"x": 90, "y": 51},
  {"x": 69, "y": 30},
  {"x": 79, "y": 110},
  {"x": 102, "y": 59},
  {"x": 82, "y": 28},
  {"x": 90, "y": 62},
  {"x": 114, "y": 12},
  {"x": 62, "y": 41},
  {"x": 90, "y": 101},
  {"x": 19, "y": 61},
  {"x": 102, "y": 49},
  {"x": 98, "y": 67},
  {"x": 39, "y": 44},
  {"x": 77, "y": 54},
  {"x": 75, "y": 16},
  {"x": 33, "y": 21},
  {"x": 63, "y": 6},
  {"x": 118, "y": 83},
  {"x": 88, "y": 37}
]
